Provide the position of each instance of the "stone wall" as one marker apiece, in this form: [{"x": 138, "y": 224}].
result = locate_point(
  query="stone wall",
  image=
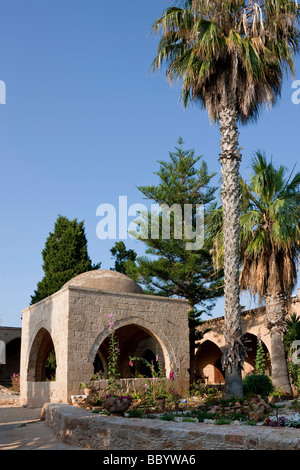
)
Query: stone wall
[
  {"x": 253, "y": 326},
  {"x": 47, "y": 317},
  {"x": 81, "y": 428},
  {"x": 75, "y": 321},
  {"x": 127, "y": 386},
  {"x": 11, "y": 337},
  {"x": 163, "y": 319}
]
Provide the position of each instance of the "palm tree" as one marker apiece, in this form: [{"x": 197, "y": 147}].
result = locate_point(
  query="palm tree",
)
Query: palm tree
[
  {"x": 270, "y": 243},
  {"x": 230, "y": 57}
]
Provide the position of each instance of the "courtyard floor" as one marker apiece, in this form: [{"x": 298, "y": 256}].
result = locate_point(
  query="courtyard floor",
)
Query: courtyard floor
[{"x": 22, "y": 429}]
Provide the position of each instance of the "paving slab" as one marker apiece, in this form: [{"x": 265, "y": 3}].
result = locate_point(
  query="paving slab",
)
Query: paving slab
[{"x": 22, "y": 429}]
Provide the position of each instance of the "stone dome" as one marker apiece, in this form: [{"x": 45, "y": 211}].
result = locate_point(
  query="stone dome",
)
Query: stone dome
[{"x": 105, "y": 280}]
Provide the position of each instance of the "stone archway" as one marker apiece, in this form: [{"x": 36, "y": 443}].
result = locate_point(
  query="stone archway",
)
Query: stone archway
[
  {"x": 208, "y": 363},
  {"x": 135, "y": 340},
  {"x": 249, "y": 363},
  {"x": 41, "y": 348},
  {"x": 12, "y": 365}
]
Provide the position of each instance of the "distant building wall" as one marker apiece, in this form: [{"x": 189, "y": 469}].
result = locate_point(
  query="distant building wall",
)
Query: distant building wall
[
  {"x": 11, "y": 337},
  {"x": 210, "y": 348}
]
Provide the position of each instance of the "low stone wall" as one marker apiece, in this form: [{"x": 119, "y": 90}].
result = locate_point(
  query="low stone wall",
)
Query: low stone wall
[
  {"x": 81, "y": 428},
  {"x": 128, "y": 386},
  {"x": 38, "y": 393}
]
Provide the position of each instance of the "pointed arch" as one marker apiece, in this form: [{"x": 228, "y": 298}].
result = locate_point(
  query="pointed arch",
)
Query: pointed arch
[{"x": 40, "y": 350}]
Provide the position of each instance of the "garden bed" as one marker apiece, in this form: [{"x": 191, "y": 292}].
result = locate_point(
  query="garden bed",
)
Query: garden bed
[{"x": 247, "y": 411}]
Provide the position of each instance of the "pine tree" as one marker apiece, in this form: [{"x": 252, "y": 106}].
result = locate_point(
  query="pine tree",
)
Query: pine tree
[
  {"x": 122, "y": 255},
  {"x": 172, "y": 269},
  {"x": 65, "y": 256}
]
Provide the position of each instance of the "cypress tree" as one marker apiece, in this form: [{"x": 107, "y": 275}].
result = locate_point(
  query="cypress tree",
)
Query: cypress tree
[
  {"x": 122, "y": 255},
  {"x": 65, "y": 256}
]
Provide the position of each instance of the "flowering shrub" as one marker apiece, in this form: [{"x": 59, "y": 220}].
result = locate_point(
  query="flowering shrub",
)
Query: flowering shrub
[
  {"x": 294, "y": 422},
  {"x": 278, "y": 393},
  {"x": 114, "y": 351},
  {"x": 15, "y": 380},
  {"x": 276, "y": 423},
  {"x": 157, "y": 386},
  {"x": 282, "y": 421}
]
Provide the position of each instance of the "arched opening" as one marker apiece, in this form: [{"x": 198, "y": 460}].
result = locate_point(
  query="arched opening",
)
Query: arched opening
[
  {"x": 12, "y": 364},
  {"x": 134, "y": 342},
  {"x": 42, "y": 359},
  {"x": 208, "y": 364},
  {"x": 251, "y": 342}
]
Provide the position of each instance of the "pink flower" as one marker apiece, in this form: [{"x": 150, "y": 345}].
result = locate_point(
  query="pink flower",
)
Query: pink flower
[
  {"x": 130, "y": 363},
  {"x": 172, "y": 375}
]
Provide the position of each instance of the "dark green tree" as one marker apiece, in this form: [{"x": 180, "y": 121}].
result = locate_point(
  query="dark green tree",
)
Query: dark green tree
[
  {"x": 65, "y": 256},
  {"x": 172, "y": 269},
  {"x": 122, "y": 255}
]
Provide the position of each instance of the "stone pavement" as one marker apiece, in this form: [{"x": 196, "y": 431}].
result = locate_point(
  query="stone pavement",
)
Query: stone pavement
[{"x": 22, "y": 429}]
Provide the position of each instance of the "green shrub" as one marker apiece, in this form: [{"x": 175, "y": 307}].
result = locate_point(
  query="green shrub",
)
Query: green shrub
[
  {"x": 250, "y": 422},
  {"x": 257, "y": 385},
  {"x": 167, "y": 417},
  {"x": 223, "y": 420},
  {"x": 202, "y": 415},
  {"x": 135, "y": 413}
]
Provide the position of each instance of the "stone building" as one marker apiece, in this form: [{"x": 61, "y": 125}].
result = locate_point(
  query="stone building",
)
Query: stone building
[
  {"x": 10, "y": 339},
  {"x": 210, "y": 347},
  {"x": 74, "y": 322}
]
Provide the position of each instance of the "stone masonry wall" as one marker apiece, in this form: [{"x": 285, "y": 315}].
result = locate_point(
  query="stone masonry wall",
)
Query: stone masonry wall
[
  {"x": 51, "y": 315},
  {"x": 81, "y": 428},
  {"x": 164, "y": 319}
]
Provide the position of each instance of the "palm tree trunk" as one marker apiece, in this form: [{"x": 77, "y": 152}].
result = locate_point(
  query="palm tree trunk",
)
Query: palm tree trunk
[
  {"x": 192, "y": 338},
  {"x": 275, "y": 315},
  {"x": 230, "y": 158}
]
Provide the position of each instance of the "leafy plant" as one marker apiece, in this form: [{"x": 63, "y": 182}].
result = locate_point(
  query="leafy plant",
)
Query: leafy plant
[
  {"x": 83, "y": 385},
  {"x": 167, "y": 417},
  {"x": 250, "y": 422},
  {"x": 258, "y": 385},
  {"x": 223, "y": 420},
  {"x": 260, "y": 360},
  {"x": 157, "y": 386},
  {"x": 136, "y": 413}
]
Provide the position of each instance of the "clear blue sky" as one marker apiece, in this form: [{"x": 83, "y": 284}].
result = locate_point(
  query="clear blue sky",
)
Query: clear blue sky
[{"x": 86, "y": 121}]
